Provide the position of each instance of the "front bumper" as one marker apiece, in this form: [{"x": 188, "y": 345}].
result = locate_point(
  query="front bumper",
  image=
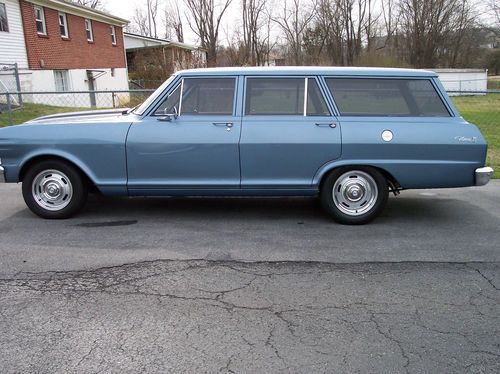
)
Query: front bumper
[
  {"x": 483, "y": 175},
  {"x": 2, "y": 175}
]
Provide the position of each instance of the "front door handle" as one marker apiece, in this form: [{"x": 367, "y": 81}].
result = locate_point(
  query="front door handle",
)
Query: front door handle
[
  {"x": 330, "y": 124},
  {"x": 228, "y": 125}
]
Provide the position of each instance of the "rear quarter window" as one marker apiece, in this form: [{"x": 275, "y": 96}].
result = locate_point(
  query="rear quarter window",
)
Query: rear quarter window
[{"x": 386, "y": 97}]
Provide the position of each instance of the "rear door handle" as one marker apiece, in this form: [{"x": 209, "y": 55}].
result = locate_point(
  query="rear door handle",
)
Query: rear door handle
[{"x": 330, "y": 124}]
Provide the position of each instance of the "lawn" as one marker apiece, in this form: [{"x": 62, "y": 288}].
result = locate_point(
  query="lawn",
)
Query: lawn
[
  {"x": 30, "y": 111},
  {"x": 484, "y": 111}
]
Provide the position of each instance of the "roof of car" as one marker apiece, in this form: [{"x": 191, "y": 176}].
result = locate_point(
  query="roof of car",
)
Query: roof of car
[{"x": 311, "y": 70}]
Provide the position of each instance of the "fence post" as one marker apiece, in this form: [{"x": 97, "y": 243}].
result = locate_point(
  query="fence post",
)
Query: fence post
[
  {"x": 9, "y": 109},
  {"x": 113, "y": 98},
  {"x": 18, "y": 84}
]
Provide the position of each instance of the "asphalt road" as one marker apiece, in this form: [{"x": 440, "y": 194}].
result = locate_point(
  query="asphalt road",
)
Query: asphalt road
[{"x": 252, "y": 286}]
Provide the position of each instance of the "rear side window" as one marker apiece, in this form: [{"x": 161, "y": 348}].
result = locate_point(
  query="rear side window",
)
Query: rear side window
[
  {"x": 207, "y": 96},
  {"x": 386, "y": 97}
]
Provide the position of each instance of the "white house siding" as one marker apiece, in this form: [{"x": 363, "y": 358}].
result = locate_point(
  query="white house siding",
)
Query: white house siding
[
  {"x": 44, "y": 80},
  {"x": 12, "y": 46},
  {"x": 463, "y": 79}
]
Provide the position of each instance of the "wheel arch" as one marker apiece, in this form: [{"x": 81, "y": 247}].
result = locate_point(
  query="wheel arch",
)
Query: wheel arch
[
  {"x": 34, "y": 159},
  {"x": 391, "y": 180}
]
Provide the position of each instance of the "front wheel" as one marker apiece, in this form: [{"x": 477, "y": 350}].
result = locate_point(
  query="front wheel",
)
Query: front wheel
[
  {"x": 354, "y": 196},
  {"x": 54, "y": 189}
]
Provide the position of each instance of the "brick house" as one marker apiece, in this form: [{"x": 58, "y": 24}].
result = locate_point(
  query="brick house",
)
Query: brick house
[{"x": 61, "y": 46}]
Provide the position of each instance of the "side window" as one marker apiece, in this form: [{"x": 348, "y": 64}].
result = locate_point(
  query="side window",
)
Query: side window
[
  {"x": 427, "y": 99},
  {"x": 368, "y": 97},
  {"x": 171, "y": 104},
  {"x": 386, "y": 97},
  {"x": 207, "y": 96},
  {"x": 316, "y": 105},
  {"x": 275, "y": 96}
]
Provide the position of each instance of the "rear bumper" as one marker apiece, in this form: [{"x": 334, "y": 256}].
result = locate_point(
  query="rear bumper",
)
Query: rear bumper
[{"x": 483, "y": 175}]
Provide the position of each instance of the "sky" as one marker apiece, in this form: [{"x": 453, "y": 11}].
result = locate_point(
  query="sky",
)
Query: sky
[{"x": 125, "y": 9}]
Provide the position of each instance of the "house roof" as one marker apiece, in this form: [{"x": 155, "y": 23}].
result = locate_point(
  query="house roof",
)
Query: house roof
[
  {"x": 80, "y": 10},
  {"x": 312, "y": 70},
  {"x": 158, "y": 42}
]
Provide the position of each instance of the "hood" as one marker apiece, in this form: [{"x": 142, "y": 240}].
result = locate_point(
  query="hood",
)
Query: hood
[{"x": 91, "y": 116}]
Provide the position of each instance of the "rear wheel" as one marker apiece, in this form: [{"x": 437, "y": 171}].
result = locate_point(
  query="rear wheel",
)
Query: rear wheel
[
  {"x": 354, "y": 196},
  {"x": 54, "y": 189}
]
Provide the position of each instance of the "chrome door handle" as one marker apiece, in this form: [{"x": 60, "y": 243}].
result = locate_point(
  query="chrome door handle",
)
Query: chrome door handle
[
  {"x": 228, "y": 125},
  {"x": 330, "y": 124}
]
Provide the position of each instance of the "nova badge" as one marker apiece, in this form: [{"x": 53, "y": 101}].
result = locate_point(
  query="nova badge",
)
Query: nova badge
[{"x": 466, "y": 139}]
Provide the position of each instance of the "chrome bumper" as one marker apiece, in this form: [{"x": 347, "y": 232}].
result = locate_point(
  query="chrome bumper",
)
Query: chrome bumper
[
  {"x": 2, "y": 175},
  {"x": 483, "y": 175}
]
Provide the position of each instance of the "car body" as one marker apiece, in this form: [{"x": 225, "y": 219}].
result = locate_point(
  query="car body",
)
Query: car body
[{"x": 257, "y": 131}]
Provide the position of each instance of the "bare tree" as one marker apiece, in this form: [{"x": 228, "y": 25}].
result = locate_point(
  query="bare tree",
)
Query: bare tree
[
  {"x": 140, "y": 23},
  {"x": 152, "y": 10},
  {"x": 293, "y": 22},
  {"x": 94, "y": 4},
  {"x": 428, "y": 27},
  {"x": 253, "y": 12},
  {"x": 494, "y": 5},
  {"x": 204, "y": 18},
  {"x": 173, "y": 22}
]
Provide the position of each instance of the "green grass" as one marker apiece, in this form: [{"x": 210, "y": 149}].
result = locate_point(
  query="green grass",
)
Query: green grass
[
  {"x": 30, "y": 111},
  {"x": 484, "y": 111}
]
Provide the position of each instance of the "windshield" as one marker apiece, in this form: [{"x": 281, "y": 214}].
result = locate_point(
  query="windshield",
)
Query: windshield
[{"x": 142, "y": 108}]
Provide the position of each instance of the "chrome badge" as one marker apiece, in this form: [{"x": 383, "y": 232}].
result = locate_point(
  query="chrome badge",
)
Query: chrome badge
[{"x": 466, "y": 139}]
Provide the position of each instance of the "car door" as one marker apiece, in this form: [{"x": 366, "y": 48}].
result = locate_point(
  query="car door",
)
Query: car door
[
  {"x": 288, "y": 133},
  {"x": 189, "y": 141}
]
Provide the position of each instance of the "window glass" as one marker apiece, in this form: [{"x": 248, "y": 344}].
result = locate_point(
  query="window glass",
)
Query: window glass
[
  {"x": 4, "y": 26},
  {"x": 63, "y": 25},
  {"x": 40, "y": 21},
  {"x": 113, "y": 35},
  {"x": 207, "y": 96},
  {"x": 316, "y": 105},
  {"x": 171, "y": 102},
  {"x": 61, "y": 80},
  {"x": 159, "y": 91},
  {"x": 88, "y": 29},
  {"x": 427, "y": 99},
  {"x": 386, "y": 97},
  {"x": 275, "y": 96}
]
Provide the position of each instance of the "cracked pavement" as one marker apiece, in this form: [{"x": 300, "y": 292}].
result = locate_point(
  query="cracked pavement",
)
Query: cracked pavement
[{"x": 252, "y": 286}]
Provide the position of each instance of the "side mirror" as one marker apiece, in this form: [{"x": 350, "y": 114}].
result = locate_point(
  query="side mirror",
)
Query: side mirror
[{"x": 168, "y": 117}]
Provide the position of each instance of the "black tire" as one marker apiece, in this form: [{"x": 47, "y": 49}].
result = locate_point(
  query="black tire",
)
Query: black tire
[
  {"x": 64, "y": 190},
  {"x": 361, "y": 194}
]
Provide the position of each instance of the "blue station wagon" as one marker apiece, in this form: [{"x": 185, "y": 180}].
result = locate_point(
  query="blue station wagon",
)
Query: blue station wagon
[{"x": 349, "y": 135}]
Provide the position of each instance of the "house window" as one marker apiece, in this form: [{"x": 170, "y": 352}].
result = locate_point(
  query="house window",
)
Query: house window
[
  {"x": 113, "y": 35},
  {"x": 40, "y": 21},
  {"x": 63, "y": 25},
  {"x": 4, "y": 26},
  {"x": 62, "y": 80},
  {"x": 88, "y": 28}
]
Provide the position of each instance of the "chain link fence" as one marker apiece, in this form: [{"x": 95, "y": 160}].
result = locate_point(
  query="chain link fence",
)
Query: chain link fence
[{"x": 18, "y": 107}]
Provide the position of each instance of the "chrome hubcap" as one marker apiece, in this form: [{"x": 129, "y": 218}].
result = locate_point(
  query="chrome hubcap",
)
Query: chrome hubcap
[
  {"x": 355, "y": 193},
  {"x": 52, "y": 190}
]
